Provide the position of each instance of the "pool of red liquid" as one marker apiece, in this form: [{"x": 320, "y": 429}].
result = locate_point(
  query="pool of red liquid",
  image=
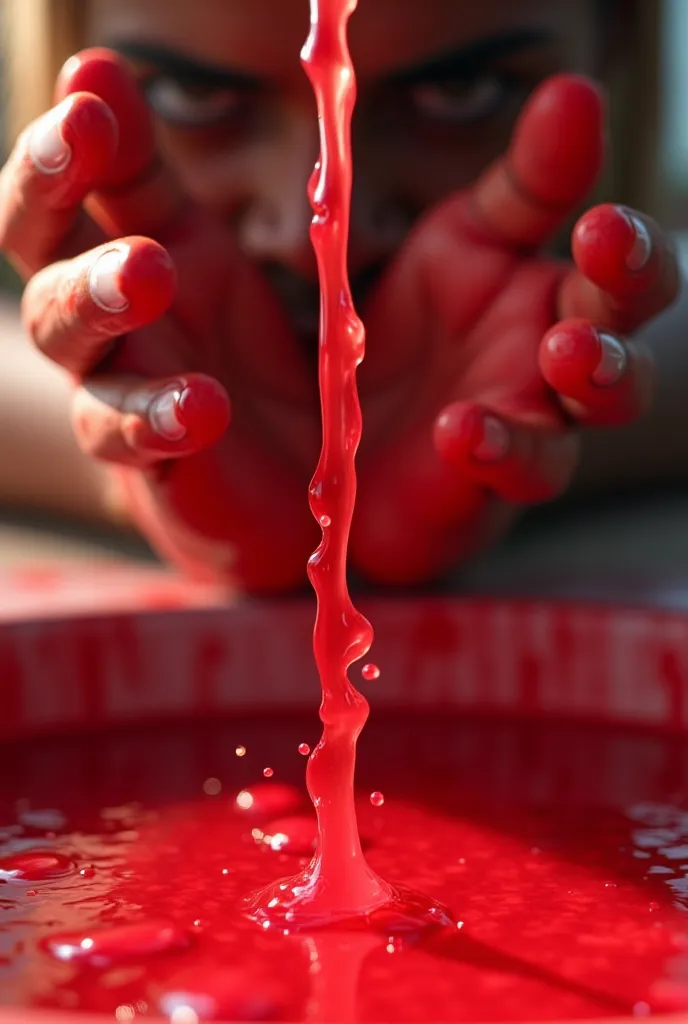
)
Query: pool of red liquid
[{"x": 561, "y": 850}]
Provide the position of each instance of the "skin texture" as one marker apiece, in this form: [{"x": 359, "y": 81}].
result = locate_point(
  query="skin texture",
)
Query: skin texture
[{"x": 482, "y": 352}]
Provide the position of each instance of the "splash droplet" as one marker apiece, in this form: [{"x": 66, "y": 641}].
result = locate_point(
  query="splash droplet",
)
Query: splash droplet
[
  {"x": 88, "y": 872},
  {"x": 325, "y": 521},
  {"x": 268, "y": 773},
  {"x": 370, "y": 672},
  {"x": 377, "y": 799},
  {"x": 304, "y": 749},
  {"x": 117, "y": 945},
  {"x": 240, "y": 751},
  {"x": 34, "y": 866},
  {"x": 211, "y": 787}
]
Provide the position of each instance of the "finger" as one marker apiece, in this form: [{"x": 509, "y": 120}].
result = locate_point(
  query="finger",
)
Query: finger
[
  {"x": 600, "y": 379},
  {"x": 555, "y": 157},
  {"x": 55, "y": 163},
  {"x": 138, "y": 424},
  {"x": 74, "y": 310},
  {"x": 626, "y": 270},
  {"x": 138, "y": 193},
  {"x": 518, "y": 463}
]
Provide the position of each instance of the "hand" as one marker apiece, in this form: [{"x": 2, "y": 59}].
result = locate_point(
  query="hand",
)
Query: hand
[
  {"x": 492, "y": 354},
  {"x": 157, "y": 329}
]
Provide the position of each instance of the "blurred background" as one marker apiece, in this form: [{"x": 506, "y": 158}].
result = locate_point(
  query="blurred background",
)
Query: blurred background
[{"x": 649, "y": 171}]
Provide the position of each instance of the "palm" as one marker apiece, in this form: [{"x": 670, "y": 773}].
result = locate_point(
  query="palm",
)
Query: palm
[{"x": 241, "y": 505}]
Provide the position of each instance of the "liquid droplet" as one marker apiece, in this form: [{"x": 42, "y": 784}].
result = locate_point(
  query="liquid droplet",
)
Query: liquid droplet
[
  {"x": 377, "y": 799},
  {"x": 117, "y": 945},
  {"x": 304, "y": 749},
  {"x": 211, "y": 787},
  {"x": 268, "y": 773},
  {"x": 268, "y": 800},
  {"x": 34, "y": 866},
  {"x": 325, "y": 521},
  {"x": 297, "y": 835},
  {"x": 370, "y": 672},
  {"x": 240, "y": 751},
  {"x": 88, "y": 871},
  {"x": 32, "y": 892}
]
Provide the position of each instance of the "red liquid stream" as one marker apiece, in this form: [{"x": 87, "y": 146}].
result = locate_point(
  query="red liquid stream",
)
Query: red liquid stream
[
  {"x": 338, "y": 884},
  {"x": 342, "y": 635}
]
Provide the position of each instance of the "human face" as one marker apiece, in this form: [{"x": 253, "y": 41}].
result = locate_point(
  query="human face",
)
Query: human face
[{"x": 440, "y": 84}]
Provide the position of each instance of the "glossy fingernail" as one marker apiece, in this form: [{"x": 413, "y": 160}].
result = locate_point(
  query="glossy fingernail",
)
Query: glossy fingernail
[
  {"x": 639, "y": 255},
  {"x": 494, "y": 443},
  {"x": 47, "y": 147},
  {"x": 613, "y": 362},
  {"x": 163, "y": 414},
  {"x": 104, "y": 281}
]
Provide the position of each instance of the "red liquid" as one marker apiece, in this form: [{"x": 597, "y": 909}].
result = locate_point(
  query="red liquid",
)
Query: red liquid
[
  {"x": 338, "y": 884},
  {"x": 563, "y": 852}
]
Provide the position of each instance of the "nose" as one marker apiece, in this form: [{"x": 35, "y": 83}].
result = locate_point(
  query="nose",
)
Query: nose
[{"x": 273, "y": 225}]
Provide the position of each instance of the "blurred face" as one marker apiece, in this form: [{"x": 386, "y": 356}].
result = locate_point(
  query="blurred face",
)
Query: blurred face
[{"x": 440, "y": 84}]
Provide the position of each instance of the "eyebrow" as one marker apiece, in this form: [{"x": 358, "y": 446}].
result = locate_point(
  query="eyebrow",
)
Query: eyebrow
[
  {"x": 181, "y": 66},
  {"x": 472, "y": 55}
]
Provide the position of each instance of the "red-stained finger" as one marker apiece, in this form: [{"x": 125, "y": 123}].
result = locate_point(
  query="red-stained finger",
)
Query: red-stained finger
[
  {"x": 626, "y": 270},
  {"x": 74, "y": 310},
  {"x": 135, "y": 423},
  {"x": 518, "y": 463},
  {"x": 554, "y": 159},
  {"x": 53, "y": 166},
  {"x": 139, "y": 193},
  {"x": 600, "y": 379}
]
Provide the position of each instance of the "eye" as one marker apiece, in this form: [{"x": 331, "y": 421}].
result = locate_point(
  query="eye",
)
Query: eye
[
  {"x": 460, "y": 100},
  {"x": 189, "y": 104}
]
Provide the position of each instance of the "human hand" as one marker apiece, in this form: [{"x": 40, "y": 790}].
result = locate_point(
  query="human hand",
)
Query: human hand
[
  {"x": 493, "y": 354},
  {"x": 146, "y": 301}
]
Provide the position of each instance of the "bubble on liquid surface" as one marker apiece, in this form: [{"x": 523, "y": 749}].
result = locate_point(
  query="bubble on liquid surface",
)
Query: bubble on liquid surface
[
  {"x": 377, "y": 799},
  {"x": 268, "y": 800},
  {"x": 223, "y": 993},
  {"x": 120, "y": 944},
  {"x": 35, "y": 866},
  {"x": 370, "y": 672}
]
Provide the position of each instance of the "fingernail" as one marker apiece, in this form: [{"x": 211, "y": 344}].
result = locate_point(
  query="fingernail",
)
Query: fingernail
[
  {"x": 47, "y": 148},
  {"x": 495, "y": 441},
  {"x": 613, "y": 362},
  {"x": 642, "y": 247},
  {"x": 163, "y": 414},
  {"x": 104, "y": 281}
]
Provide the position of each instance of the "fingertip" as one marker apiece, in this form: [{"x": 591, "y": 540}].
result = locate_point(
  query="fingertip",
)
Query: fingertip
[
  {"x": 458, "y": 430},
  {"x": 204, "y": 409},
  {"x": 569, "y": 353},
  {"x": 148, "y": 277},
  {"x": 615, "y": 249},
  {"x": 107, "y": 75},
  {"x": 559, "y": 142},
  {"x": 90, "y": 129}
]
